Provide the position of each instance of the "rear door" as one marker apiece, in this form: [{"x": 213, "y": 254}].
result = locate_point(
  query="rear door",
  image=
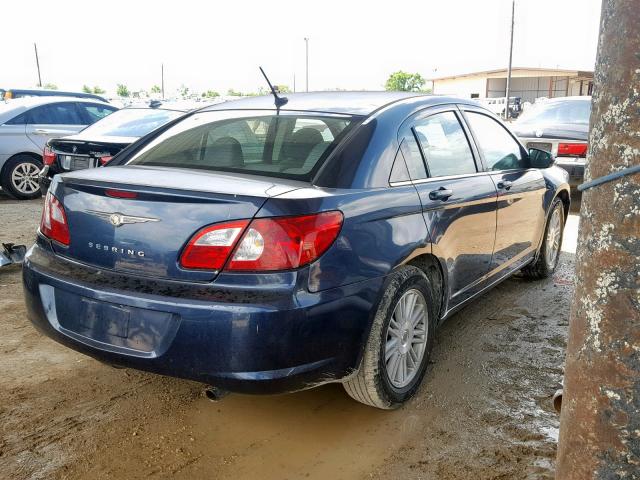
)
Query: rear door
[
  {"x": 458, "y": 199},
  {"x": 521, "y": 214},
  {"x": 53, "y": 120}
]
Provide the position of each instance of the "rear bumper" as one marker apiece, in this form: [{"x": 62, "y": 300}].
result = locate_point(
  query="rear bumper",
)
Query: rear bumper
[
  {"x": 295, "y": 341},
  {"x": 575, "y": 168}
]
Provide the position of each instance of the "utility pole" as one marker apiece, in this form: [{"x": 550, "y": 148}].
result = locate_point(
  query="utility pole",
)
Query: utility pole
[
  {"x": 600, "y": 419},
  {"x": 162, "y": 79},
  {"x": 306, "y": 45},
  {"x": 294, "y": 82},
  {"x": 35, "y": 47},
  {"x": 508, "y": 92}
]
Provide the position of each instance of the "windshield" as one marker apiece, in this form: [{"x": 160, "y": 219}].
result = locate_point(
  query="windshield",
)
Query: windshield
[
  {"x": 256, "y": 142},
  {"x": 131, "y": 122},
  {"x": 558, "y": 112}
]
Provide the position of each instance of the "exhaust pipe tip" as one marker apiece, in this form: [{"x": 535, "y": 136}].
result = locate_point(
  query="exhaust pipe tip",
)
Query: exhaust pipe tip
[
  {"x": 215, "y": 394},
  {"x": 557, "y": 400}
]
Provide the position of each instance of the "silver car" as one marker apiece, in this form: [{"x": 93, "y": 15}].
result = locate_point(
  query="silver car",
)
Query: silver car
[{"x": 26, "y": 124}]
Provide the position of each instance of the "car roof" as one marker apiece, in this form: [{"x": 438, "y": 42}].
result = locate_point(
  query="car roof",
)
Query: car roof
[
  {"x": 15, "y": 106},
  {"x": 349, "y": 103}
]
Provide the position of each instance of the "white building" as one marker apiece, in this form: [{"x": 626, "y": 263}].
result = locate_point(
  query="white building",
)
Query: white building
[{"x": 527, "y": 83}]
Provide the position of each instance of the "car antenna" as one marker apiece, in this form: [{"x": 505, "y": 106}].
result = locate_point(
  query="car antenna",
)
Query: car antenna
[{"x": 279, "y": 101}]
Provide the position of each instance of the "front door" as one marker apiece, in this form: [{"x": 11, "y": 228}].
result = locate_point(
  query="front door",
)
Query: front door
[{"x": 521, "y": 214}]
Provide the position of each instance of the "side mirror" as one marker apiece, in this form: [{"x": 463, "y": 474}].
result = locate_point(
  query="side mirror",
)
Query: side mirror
[{"x": 540, "y": 158}]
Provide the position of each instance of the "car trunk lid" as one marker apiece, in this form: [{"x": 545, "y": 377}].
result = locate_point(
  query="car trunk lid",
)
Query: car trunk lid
[{"x": 138, "y": 219}]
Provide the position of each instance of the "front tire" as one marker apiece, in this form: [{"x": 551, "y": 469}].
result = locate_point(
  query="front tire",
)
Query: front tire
[
  {"x": 20, "y": 177},
  {"x": 399, "y": 344},
  {"x": 549, "y": 253}
]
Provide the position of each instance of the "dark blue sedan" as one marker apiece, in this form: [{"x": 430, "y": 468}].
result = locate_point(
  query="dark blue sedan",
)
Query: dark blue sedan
[{"x": 262, "y": 250}]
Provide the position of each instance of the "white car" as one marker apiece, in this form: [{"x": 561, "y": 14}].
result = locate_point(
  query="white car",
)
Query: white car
[{"x": 26, "y": 124}]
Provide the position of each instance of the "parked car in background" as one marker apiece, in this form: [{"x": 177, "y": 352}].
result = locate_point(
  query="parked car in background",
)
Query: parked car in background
[
  {"x": 499, "y": 107},
  {"x": 559, "y": 126},
  {"x": 97, "y": 144},
  {"x": 26, "y": 124},
  {"x": 264, "y": 250},
  {"x": 13, "y": 93}
]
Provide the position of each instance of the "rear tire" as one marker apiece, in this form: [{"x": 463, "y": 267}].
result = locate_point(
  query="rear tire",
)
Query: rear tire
[
  {"x": 547, "y": 261},
  {"x": 400, "y": 340},
  {"x": 20, "y": 177}
]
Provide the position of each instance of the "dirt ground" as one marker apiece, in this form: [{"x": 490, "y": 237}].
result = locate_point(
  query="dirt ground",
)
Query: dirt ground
[{"x": 484, "y": 411}]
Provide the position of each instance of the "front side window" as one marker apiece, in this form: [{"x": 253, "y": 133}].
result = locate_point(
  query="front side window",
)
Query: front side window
[
  {"x": 444, "y": 145},
  {"x": 499, "y": 148},
  {"x": 286, "y": 145},
  {"x": 96, "y": 111}
]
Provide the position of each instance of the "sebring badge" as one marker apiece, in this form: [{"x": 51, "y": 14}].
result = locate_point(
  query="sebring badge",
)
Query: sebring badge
[{"x": 118, "y": 219}]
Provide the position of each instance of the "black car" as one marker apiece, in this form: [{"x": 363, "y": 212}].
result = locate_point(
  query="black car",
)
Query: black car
[
  {"x": 559, "y": 126},
  {"x": 97, "y": 144}
]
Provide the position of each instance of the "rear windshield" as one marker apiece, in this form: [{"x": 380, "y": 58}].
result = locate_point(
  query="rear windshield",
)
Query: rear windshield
[
  {"x": 558, "y": 112},
  {"x": 132, "y": 122},
  {"x": 289, "y": 145}
]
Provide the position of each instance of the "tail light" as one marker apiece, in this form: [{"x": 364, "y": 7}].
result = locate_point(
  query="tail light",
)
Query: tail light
[
  {"x": 54, "y": 221},
  {"x": 572, "y": 149},
  {"x": 106, "y": 159},
  {"x": 48, "y": 156},
  {"x": 267, "y": 244}
]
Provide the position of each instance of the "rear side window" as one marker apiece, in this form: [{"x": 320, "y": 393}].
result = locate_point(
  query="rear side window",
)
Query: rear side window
[
  {"x": 95, "y": 112},
  {"x": 285, "y": 145},
  {"x": 500, "y": 150},
  {"x": 18, "y": 120},
  {"x": 56, "y": 114},
  {"x": 445, "y": 145},
  {"x": 413, "y": 157}
]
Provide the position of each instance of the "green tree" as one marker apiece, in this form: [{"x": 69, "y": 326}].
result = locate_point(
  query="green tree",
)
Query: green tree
[
  {"x": 210, "y": 94},
  {"x": 50, "y": 86},
  {"x": 232, "y": 93},
  {"x": 156, "y": 89},
  {"x": 283, "y": 89},
  {"x": 122, "y": 90},
  {"x": 87, "y": 89},
  {"x": 404, "y": 82},
  {"x": 184, "y": 91},
  {"x": 97, "y": 90}
]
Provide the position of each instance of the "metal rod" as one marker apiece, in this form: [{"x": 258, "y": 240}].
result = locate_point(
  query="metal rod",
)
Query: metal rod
[
  {"x": 162, "y": 78},
  {"x": 600, "y": 420},
  {"x": 306, "y": 45},
  {"x": 35, "y": 47},
  {"x": 508, "y": 92}
]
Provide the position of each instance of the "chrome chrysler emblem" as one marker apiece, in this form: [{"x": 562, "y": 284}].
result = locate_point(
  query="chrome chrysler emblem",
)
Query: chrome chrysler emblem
[
  {"x": 539, "y": 133},
  {"x": 117, "y": 219}
]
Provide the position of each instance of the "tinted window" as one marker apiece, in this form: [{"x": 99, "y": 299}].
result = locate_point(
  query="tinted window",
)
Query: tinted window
[
  {"x": 56, "y": 114},
  {"x": 444, "y": 145},
  {"x": 413, "y": 157},
  {"x": 18, "y": 120},
  {"x": 554, "y": 112},
  {"x": 500, "y": 150},
  {"x": 131, "y": 122},
  {"x": 95, "y": 111},
  {"x": 286, "y": 145}
]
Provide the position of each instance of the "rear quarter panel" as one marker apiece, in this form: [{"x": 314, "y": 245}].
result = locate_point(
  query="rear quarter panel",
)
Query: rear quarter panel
[{"x": 382, "y": 228}]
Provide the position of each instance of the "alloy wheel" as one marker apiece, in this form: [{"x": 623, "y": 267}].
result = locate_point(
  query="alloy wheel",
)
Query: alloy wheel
[
  {"x": 554, "y": 233},
  {"x": 25, "y": 178},
  {"x": 406, "y": 338}
]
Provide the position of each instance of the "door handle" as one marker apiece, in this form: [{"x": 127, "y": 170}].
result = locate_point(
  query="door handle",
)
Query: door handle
[
  {"x": 42, "y": 131},
  {"x": 505, "y": 184},
  {"x": 441, "y": 194}
]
